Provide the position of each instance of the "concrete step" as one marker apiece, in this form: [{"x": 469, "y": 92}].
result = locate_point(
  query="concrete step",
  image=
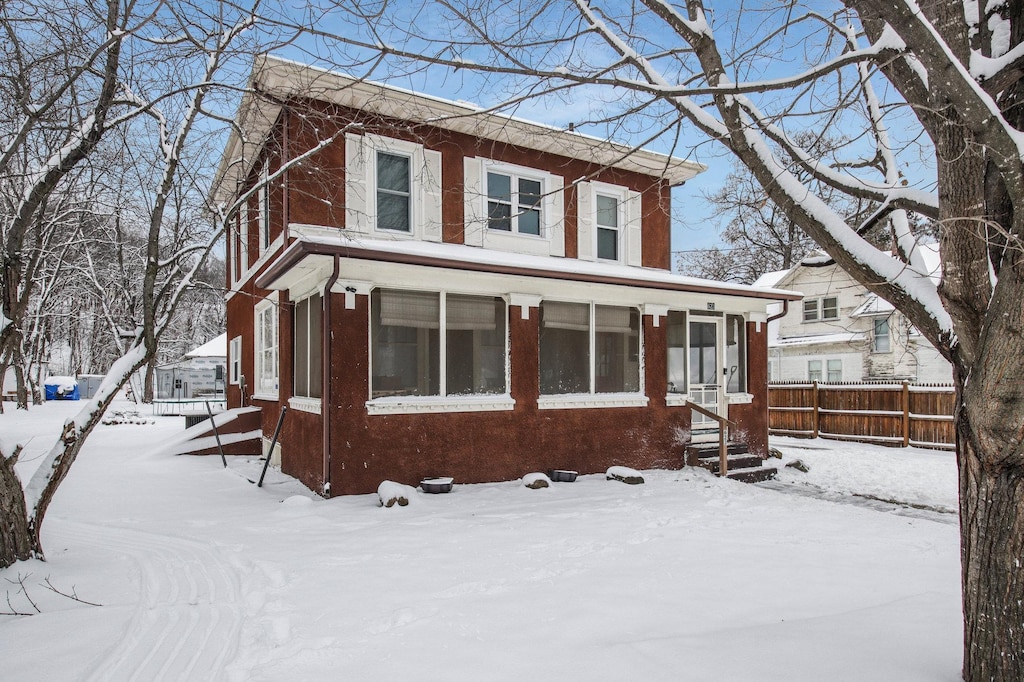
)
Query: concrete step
[
  {"x": 743, "y": 461},
  {"x": 753, "y": 474}
]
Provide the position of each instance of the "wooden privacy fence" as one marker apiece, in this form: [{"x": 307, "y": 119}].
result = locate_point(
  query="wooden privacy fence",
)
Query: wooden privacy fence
[{"x": 899, "y": 415}]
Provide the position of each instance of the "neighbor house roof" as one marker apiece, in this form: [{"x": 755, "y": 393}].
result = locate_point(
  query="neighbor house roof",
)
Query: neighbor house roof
[{"x": 214, "y": 348}]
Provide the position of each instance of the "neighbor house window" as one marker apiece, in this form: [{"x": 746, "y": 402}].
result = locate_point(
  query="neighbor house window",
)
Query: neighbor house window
[
  {"x": 514, "y": 203},
  {"x": 394, "y": 192},
  {"x": 410, "y": 357},
  {"x": 677, "y": 352},
  {"x": 306, "y": 350},
  {"x": 607, "y": 227},
  {"x": 835, "y": 371},
  {"x": 826, "y": 308},
  {"x": 586, "y": 348},
  {"x": 881, "y": 342},
  {"x": 266, "y": 349},
  {"x": 235, "y": 367},
  {"x": 735, "y": 354},
  {"x": 814, "y": 370}
]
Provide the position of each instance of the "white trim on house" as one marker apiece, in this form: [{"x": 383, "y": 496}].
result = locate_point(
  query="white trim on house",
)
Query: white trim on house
[
  {"x": 575, "y": 401},
  {"x": 429, "y": 404}
]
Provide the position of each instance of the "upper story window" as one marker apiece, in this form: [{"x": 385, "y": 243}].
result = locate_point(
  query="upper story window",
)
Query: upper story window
[
  {"x": 826, "y": 308},
  {"x": 392, "y": 187},
  {"x": 607, "y": 219},
  {"x": 514, "y": 203},
  {"x": 587, "y": 348},
  {"x": 881, "y": 341},
  {"x": 264, "y": 206},
  {"x": 394, "y": 192}
]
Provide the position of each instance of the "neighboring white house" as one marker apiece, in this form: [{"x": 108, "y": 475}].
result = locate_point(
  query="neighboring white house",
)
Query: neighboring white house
[
  {"x": 843, "y": 332},
  {"x": 201, "y": 373}
]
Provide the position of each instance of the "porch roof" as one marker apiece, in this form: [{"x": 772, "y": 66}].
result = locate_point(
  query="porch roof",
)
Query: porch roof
[{"x": 300, "y": 258}]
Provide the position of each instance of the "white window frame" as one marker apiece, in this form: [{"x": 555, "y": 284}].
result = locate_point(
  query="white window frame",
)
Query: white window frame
[
  {"x": 235, "y": 361},
  {"x": 621, "y": 196},
  {"x": 876, "y": 337},
  {"x": 425, "y": 183},
  {"x": 814, "y": 368},
  {"x": 410, "y": 156},
  {"x": 638, "y": 398},
  {"x": 516, "y": 173},
  {"x": 264, "y": 311},
  {"x": 834, "y": 365},
  {"x": 473, "y": 402},
  {"x": 817, "y": 308},
  {"x": 263, "y": 195},
  {"x": 311, "y": 341}
]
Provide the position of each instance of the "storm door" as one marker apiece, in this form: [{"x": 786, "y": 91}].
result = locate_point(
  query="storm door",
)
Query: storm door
[{"x": 705, "y": 370}]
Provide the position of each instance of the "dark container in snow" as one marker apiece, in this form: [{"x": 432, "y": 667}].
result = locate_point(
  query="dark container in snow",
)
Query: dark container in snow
[
  {"x": 437, "y": 485},
  {"x": 562, "y": 475}
]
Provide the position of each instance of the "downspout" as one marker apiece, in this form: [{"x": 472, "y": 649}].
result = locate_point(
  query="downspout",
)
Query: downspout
[
  {"x": 325, "y": 368},
  {"x": 284, "y": 179},
  {"x": 785, "y": 309}
]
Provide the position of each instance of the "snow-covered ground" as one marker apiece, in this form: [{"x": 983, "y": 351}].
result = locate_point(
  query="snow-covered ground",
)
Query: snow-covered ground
[{"x": 201, "y": 575}]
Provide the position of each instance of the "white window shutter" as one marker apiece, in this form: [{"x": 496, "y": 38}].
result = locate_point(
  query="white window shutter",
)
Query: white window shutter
[
  {"x": 554, "y": 207},
  {"x": 634, "y": 233},
  {"x": 356, "y": 170},
  {"x": 473, "y": 191},
  {"x": 430, "y": 192},
  {"x": 585, "y": 221}
]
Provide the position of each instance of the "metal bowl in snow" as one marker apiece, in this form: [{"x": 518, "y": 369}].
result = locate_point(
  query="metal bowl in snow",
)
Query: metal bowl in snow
[
  {"x": 437, "y": 485},
  {"x": 562, "y": 475}
]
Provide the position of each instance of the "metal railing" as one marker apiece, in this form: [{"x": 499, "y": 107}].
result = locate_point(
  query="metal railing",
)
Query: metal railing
[{"x": 724, "y": 425}]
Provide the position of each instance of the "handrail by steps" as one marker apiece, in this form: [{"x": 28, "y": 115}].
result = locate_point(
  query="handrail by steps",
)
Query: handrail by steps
[{"x": 723, "y": 426}]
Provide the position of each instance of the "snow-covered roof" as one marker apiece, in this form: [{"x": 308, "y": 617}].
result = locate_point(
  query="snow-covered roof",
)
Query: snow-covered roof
[
  {"x": 313, "y": 239},
  {"x": 819, "y": 339},
  {"x": 281, "y": 79},
  {"x": 872, "y": 307},
  {"x": 770, "y": 279},
  {"x": 214, "y": 348}
]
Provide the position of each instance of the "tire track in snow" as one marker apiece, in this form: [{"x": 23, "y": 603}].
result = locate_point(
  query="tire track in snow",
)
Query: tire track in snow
[{"x": 188, "y": 619}]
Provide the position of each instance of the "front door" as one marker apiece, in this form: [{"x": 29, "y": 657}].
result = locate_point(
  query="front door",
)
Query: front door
[{"x": 705, "y": 374}]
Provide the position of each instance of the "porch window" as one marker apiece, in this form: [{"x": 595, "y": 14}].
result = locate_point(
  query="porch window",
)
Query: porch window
[
  {"x": 514, "y": 203},
  {"x": 677, "y": 352},
  {"x": 586, "y": 348},
  {"x": 735, "y": 354},
  {"x": 881, "y": 341},
  {"x": 814, "y": 370},
  {"x": 431, "y": 344},
  {"x": 394, "y": 192},
  {"x": 266, "y": 343},
  {"x": 307, "y": 368}
]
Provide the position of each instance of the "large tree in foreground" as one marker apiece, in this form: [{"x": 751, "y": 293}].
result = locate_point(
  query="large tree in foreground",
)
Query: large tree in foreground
[{"x": 933, "y": 83}]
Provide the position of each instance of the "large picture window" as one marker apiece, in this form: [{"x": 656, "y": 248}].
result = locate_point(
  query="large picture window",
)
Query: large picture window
[
  {"x": 266, "y": 350},
  {"x": 586, "y": 348},
  {"x": 307, "y": 368},
  {"x": 431, "y": 344}
]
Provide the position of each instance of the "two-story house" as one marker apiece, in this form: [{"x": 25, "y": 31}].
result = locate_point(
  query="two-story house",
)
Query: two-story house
[
  {"x": 843, "y": 332},
  {"x": 437, "y": 290}
]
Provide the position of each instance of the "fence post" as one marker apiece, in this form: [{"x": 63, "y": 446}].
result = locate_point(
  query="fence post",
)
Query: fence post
[
  {"x": 906, "y": 413},
  {"x": 814, "y": 417}
]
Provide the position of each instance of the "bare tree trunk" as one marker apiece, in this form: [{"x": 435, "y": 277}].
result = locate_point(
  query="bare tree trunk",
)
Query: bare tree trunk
[
  {"x": 148, "y": 390},
  {"x": 15, "y": 540}
]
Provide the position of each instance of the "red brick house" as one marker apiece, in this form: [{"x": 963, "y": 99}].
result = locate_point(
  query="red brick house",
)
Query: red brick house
[{"x": 434, "y": 290}]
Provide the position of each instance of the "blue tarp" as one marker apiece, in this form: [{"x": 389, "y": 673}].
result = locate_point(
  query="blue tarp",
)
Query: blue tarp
[{"x": 55, "y": 392}]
